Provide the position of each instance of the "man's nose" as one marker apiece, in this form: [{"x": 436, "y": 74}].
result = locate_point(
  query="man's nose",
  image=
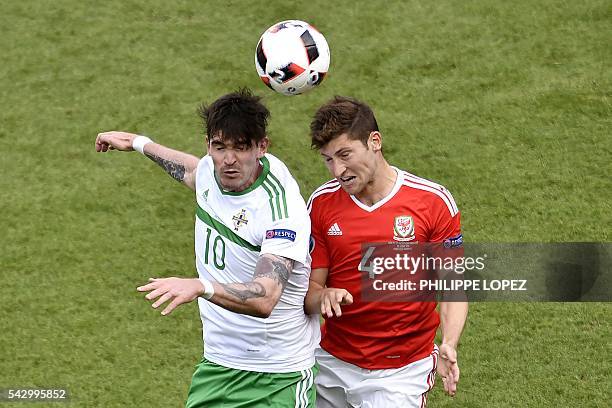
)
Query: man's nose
[
  {"x": 337, "y": 169},
  {"x": 229, "y": 157}
]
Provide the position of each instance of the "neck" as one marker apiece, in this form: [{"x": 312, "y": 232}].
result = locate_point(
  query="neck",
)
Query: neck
[
  {"x": 380, "y": 186},
  {"x": 253, "y": 179}
]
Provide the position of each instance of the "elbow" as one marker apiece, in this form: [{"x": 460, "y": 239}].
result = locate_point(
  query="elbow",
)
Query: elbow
[
  {"x": 265, "y": 308},
  {"x": 264, "y": 314}
]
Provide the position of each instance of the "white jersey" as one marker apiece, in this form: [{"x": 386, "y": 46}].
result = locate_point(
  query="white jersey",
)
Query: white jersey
[{"x": 232, "y": 229}]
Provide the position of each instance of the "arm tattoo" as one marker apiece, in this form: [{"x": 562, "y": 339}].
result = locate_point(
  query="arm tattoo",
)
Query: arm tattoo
[
  {"x": 251, "y": 290},
  {"x": 274, "y": 267},
  {"x": 269, "y": 266},
  {"x": 175, "y": 170}
]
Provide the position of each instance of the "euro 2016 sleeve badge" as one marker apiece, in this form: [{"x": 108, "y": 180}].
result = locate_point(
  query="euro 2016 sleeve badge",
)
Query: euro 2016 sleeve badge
[{"x": 403, "y": 228}]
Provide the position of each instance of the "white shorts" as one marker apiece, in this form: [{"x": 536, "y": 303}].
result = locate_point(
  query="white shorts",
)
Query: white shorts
[{"x": 341, "y": 384}]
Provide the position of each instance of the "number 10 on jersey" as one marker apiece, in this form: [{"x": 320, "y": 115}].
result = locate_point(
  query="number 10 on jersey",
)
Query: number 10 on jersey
[{"x": 215, "y": 250}]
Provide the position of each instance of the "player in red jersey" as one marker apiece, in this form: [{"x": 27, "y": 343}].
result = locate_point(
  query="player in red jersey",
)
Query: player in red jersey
[{"x": 375, "y": 354}]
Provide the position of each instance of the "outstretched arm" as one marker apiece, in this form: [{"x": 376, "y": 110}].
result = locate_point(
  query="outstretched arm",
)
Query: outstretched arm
[
  {"x": 256, "y": 298},
  {"x": 452, "y": 320},
  {"x": 180, "y": 166}
]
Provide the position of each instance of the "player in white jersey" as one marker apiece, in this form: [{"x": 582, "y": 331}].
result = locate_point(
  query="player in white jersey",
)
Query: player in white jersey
[{"x": 251, "y": 243}]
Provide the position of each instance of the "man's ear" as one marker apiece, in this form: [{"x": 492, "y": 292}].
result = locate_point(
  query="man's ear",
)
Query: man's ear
[
  {"x": 375, "y": 141},
  {"x": 262, "y": 147}
]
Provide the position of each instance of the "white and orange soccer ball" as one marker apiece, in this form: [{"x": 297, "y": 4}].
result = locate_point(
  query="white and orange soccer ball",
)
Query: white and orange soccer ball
[{"x": 292, "y": 57}]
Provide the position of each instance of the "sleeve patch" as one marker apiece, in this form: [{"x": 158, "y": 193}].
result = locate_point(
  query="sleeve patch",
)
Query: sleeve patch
[
  {"x": 453, "y": 242},
  {"x": 281, "y": 234}
]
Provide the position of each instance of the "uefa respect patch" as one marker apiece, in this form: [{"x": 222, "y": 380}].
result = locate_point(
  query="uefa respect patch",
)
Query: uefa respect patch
[
  {"x": 453, "y": 242},
  {"x": 281, "y": 233}
]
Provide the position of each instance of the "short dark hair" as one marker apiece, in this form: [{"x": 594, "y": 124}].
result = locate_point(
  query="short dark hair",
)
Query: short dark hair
[
  {"x": 342, "y": 115},
  {"x": 240, "y": 116}
]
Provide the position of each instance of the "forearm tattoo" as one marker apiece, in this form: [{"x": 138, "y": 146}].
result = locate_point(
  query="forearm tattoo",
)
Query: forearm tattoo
[
  {"x": 175, "y": 170},
  {"x": 274, "y": 267},
  {"x": 250, "y": 290},
  {"x": 268, "y": 266}
]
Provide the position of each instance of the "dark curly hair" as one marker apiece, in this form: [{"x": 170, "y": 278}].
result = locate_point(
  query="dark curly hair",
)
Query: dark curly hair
[{"x": 239, "y": 117}]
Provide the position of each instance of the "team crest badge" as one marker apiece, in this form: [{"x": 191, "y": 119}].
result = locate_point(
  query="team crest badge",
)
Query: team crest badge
[
  {"x": 403, "y": 228},
  {"x": 240, "y": 219}
]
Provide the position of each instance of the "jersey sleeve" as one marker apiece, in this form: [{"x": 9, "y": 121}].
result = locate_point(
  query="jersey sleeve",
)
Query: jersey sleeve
[
  {"x": 318, "y": 251},
  {"x": 289, "y": 237},
  {"x": 446, "y": 235},
  {"x": 203, "y": 172},
  {"x": 445, "y": 222},
  {"x": 447, "y": 238}
]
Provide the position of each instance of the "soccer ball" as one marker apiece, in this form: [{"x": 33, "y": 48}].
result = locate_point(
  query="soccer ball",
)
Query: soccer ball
[{"x": 292, "y": 57}]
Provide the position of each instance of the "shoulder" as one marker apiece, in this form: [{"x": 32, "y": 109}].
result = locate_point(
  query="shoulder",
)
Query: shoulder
[
  {"x": 277, "y": 171},
  {"x": 433, "y": 193},
  {"x": 204, "y": 169},
  {"x": 276, "y": 165},
  {"x": 205, "y": 161},
  {"x": 326, "y": 191},
  {"x": 280, "y": 184}
]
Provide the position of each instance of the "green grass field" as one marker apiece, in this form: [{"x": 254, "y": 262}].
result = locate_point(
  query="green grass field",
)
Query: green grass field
[{"x": 508, "y": 104}]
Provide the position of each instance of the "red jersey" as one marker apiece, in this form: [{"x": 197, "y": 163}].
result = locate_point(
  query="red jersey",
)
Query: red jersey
[{"x": 378, "y": 335}]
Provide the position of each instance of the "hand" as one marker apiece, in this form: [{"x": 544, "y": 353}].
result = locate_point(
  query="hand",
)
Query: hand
[
  {"x": 332, "y": 299},
  {"x": 179, "y": 290},
  {"x": 448, "y": 368},
  {"x": 114, "y": 140}
]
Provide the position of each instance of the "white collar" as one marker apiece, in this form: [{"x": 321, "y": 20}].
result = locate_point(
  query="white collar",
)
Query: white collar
[{"x": 380, "y": 203}]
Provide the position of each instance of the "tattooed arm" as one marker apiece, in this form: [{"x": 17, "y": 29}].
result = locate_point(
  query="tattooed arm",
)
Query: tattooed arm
[
  {"x": 259, "y": 296},
  {"x": 256, "y": 298},
  {"x": 180, "y": 166}
]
